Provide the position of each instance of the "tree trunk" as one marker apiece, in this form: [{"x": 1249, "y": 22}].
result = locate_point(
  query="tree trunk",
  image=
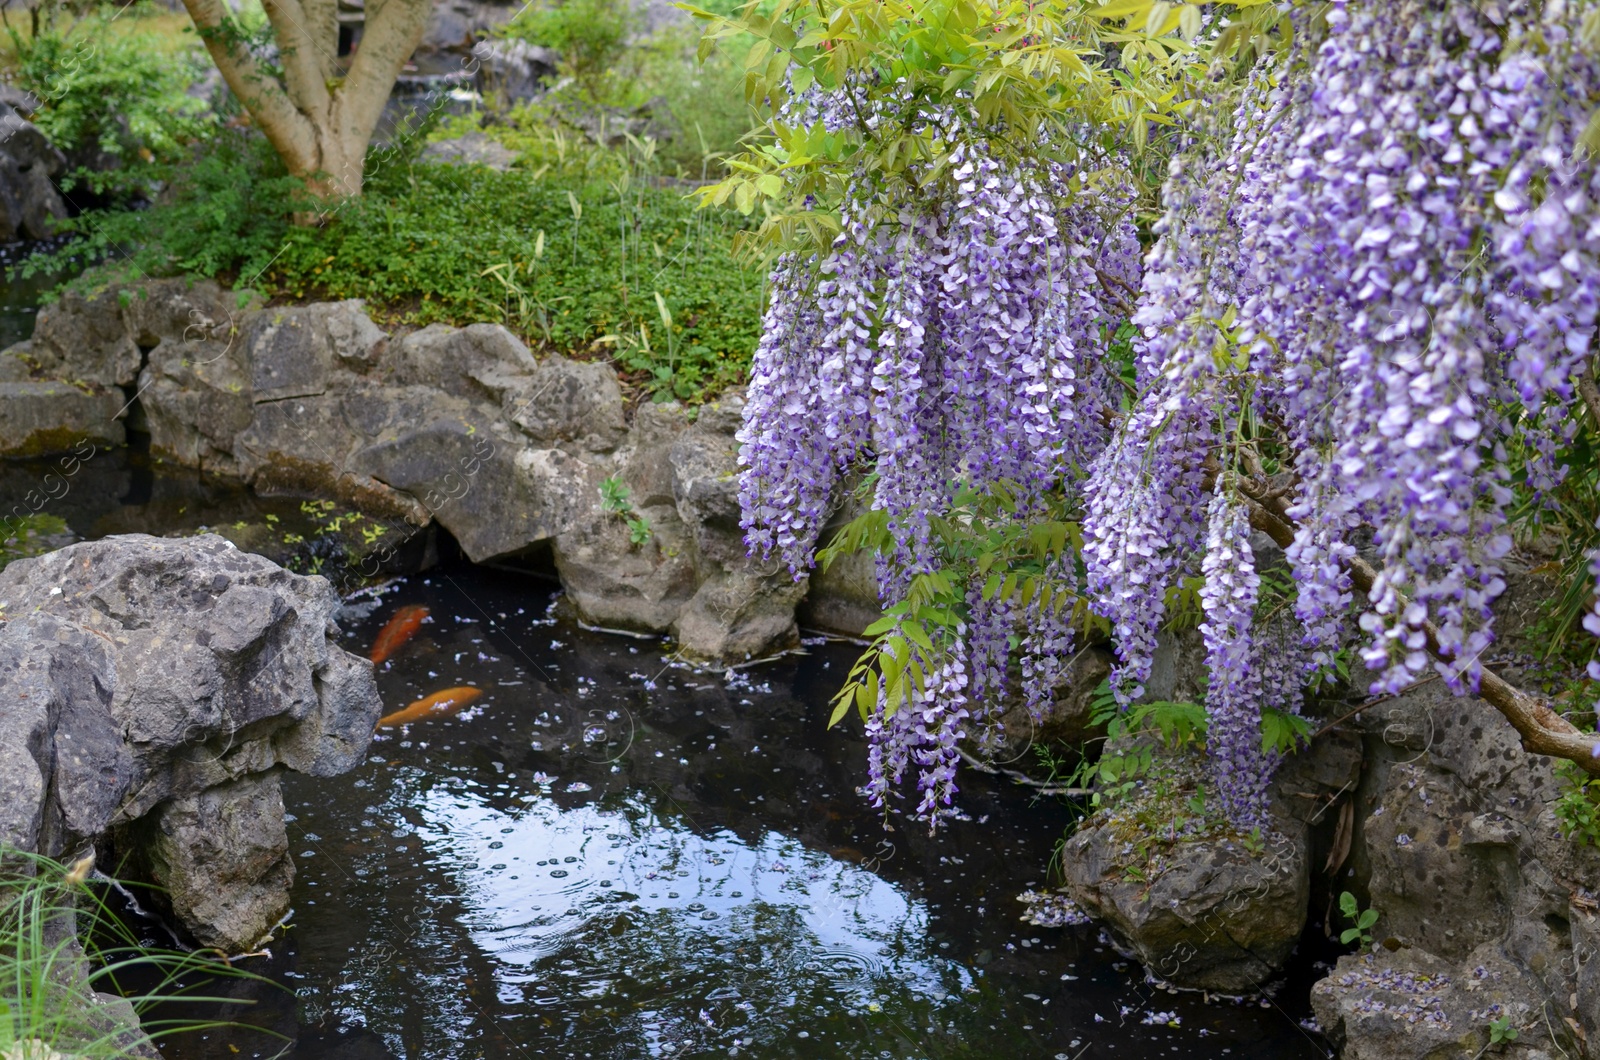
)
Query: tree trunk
[{"x": 318, "y": 122}]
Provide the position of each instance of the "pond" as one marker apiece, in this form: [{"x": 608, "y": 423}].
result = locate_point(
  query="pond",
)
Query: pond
[
  {"x": 19, "y": 296},
  {"x": 610, "y": 856}
]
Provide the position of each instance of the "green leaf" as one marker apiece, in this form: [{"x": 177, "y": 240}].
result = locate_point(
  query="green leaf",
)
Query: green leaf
[{"x": 880, "y": 627}]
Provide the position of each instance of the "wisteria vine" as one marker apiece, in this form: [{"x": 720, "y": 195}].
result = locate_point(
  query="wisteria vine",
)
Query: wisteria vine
[{"x": 1383, "y": 276}]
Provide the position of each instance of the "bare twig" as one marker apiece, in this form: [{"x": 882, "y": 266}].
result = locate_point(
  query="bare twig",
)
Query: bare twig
[
  {"x": 1543, "y": 731},
  {"x": 1045, "y": 788}
]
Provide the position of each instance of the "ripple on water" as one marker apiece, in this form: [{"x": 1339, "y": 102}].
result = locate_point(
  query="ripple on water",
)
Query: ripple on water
[{"x": 709, "y": 885}]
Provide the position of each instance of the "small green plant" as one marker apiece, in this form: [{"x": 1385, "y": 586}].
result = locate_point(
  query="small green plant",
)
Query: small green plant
[
  {"x": 31, "y": 535},
  {"x": 589, "y": 34},
  {"x": 1578, "y": 807},
  {"x": 1362, "y": 919},
  {"x": 1502, "y": 1030},
  {"x": 47, "y": 911},
  {"x": 614, "y": 499},
  {"x": 1255, "y": 844}
]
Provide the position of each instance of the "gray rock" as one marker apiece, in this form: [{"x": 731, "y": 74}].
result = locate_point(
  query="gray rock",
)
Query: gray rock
[
  {"x": 480, "y": 362},
  {"x": 182, "y": 310},
  {"x": 49, "y": 417},
  {"x": 496, "y": 497},
  {"x": 647, "y": 468},
  {"x": 472, "y": 149},
  {"x": 454, "y": 25},
  {"x": 705, "y": 485},
  {"x": 19, "y": 100},
  {"x": 743, "y": 609},
  {"x": 29, "y": 202},
  {"x": 1185, "y": 895},
  {"x": 155, "y": 687},
  {"x": 1457, "y": 849},
  {"x": 843, "y": 597},
  {"x": 615, "y": 584},
  {"x": 305, "y": 445},
  {"x": 288, "y": 356},
  {"x": 17, "y": 362},
  {"x": 222, "y": 860},
  {"x": 514, "y": 69},
  {"x": 358, "y": 343},
  {"x": 294, "y": 351},
  {"x": 1413, "y": 1005},
  {"x": 196, "y": 397},
  {"x": 740, "y": 615},
  {"x": 568, "y": 403},
  {"x": 100, "y": 337},
  {"x": 1201, "y": 911},
  {"x": 82, "y": 337}
]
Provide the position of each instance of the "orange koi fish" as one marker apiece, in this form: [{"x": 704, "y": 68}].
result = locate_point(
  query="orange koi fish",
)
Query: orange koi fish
[
  {"x": 437, "y": 705},
  {"x": 401, "y": 628}
]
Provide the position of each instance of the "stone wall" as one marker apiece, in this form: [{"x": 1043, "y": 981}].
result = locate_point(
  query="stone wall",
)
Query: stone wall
[{"x": 460, "y": 426}]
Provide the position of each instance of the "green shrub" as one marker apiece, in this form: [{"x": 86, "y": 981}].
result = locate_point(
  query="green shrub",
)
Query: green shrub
[
  {"x": 224, "y": 215},
  {"x": 589, "y": 34},
  {"x": 112, "y": 93}
]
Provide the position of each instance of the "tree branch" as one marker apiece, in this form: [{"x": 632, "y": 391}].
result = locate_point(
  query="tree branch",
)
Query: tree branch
[
  {"x": 393, "y": 31},
  {"x": 1543, "y": 731},
  {"x": 303, "y": 66},
  {"x": 289, "y": 132}
]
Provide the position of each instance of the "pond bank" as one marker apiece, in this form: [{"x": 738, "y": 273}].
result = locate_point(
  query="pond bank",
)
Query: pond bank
[
  {"x": 520, "y": 460},
  {"x": 423, "y": 444}
]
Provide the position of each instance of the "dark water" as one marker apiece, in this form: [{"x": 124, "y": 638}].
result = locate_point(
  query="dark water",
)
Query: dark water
[
  {"x": 19, "y": 297},
  {"x": 609, "y": 857},
  {"x": 96, "y": 491}
]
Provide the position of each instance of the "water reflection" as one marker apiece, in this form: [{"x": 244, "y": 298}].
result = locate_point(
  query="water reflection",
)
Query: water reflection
[{"x": 604, "y": 857}]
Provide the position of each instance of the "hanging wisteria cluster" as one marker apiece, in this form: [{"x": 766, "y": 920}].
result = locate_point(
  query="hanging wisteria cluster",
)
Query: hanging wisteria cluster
[
  {"x": 1591, "y": 622},
  {"x": 951, "y": 334},
  {"x": 1405, "y": 234},
  {"x": 1383, "y": 275}
]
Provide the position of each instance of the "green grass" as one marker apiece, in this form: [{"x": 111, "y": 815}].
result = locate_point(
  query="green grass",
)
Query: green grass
[{"x": 49, "y": 972}]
